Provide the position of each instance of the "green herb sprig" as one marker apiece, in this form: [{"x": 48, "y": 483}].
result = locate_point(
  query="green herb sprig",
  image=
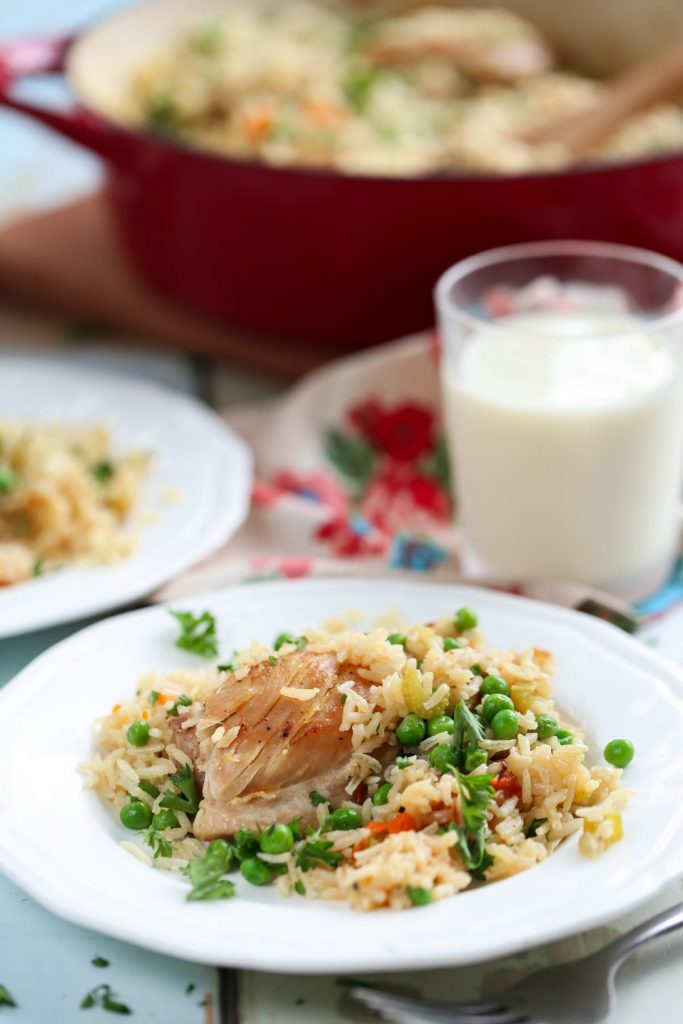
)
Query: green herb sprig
[
  {"x": 206, "y": 873},
  {"x": 197, "y": 633},
  {"x": 186, "y": 798}
]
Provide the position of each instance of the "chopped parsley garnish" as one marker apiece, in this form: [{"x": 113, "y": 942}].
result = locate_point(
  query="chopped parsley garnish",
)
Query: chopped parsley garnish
[
  {"x": 99, "y": 961},
  {"x": 299, "y": 887},
  {"x": 468, "y": 733},
  {"x": 534, "y": 827},
  {"x": 295, "y": 829},
  {"x": 359, "y": 84},
  {"x": 161, "y": 847},
  {"x": 153, "y": 696},
  {"x": 186, "y": 798},
  {"x": 272, "y": 660},
  {"x": 183, "y": 701},
  {"x": 288, "y": 638},
  {"x": 207, "y": 39},
  {"x": 101, "y": 996},
  {"x": 6, "y": 483},
  {"x": 37, "y": 568},
  {"x": 245, "y": 844},
  {"x": 102, "y": 472},
  {"x": 5, "y": 997},
  {"x": 317, "y": 798},
  {"x": 197, "y": 633},
  {"x": 206, "y": 873},
  {"x": 317, "y": 852},
  {"x": 149, "y": 788},
  {"x": 476, "y": 793},
  {"x": 229, "y": 666}
]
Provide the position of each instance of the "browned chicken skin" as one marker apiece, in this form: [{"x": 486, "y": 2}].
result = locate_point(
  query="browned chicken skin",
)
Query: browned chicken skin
[{"x": 285, "y": 747}]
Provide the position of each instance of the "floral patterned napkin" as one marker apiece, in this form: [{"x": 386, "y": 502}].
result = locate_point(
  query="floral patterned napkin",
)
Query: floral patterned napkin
[{"x": 352, "y": 477}]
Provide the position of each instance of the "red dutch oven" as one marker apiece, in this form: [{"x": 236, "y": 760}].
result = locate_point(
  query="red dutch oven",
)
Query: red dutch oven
[{"x": 330, "y": 258}]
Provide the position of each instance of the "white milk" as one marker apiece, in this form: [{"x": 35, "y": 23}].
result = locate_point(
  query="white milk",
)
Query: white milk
[{"x": 568, "y": 450}]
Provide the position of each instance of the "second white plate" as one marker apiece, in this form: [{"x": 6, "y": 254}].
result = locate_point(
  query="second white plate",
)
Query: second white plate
[{"x": 193, "y": 453}]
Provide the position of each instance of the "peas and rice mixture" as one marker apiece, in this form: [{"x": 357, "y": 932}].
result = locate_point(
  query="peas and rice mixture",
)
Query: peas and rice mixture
[
  {"x": 427, "y": 90},
  {"x": 462, "y": 771}
]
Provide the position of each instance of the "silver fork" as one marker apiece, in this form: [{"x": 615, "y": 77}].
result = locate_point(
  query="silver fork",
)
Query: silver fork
[{"x": 580, "y": 992}]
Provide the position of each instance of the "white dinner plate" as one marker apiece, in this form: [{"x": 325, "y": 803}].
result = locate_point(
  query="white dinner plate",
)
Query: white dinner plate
[
  {"x": 194, "y": 498},
  {"x": 59, "y": 843}
]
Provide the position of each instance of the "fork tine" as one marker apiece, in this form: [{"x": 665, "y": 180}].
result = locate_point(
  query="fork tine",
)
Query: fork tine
[{"x": 403, "y": 1010}]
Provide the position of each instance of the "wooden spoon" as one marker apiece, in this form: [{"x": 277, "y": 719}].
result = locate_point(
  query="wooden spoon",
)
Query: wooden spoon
[{"x": 655, "y": 80}]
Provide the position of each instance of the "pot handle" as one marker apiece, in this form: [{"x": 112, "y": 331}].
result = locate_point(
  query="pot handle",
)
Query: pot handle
[{"x": 40, "y": 55}]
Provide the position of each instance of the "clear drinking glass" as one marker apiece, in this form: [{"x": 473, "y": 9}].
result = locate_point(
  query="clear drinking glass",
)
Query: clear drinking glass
[{"x": 563, "y": 396}]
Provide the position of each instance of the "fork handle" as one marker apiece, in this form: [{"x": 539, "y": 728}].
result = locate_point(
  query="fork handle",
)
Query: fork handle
[{"x": 668, "y": 921}]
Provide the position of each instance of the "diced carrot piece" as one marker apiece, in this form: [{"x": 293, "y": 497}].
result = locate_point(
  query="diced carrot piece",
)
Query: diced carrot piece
[
  {"x": 401, "y": 822},
  {"x": 508, "y": 784}
]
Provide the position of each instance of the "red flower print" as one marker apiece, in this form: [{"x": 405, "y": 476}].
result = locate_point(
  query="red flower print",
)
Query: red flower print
[
  {"x": 290, "y": 566},
  {"x": 364, "y": 416},
  {"x": 264, "y": 493},
  {"x": 401, "y": 499},
  {"x": 406, "y": 433},
  {"x": 317, "y": 486},
  {"x": 353, "y": 536}
]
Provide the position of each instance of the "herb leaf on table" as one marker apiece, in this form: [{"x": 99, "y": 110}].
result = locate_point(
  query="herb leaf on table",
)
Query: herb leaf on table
[
  {"x": 5, "y": 997},
  {"x": 102, "y": 996}
]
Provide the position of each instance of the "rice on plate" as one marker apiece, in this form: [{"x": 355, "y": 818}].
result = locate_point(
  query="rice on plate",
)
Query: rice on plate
[
  {"x": 385, "y": 769},
  {"x": 64, "y": 497}
]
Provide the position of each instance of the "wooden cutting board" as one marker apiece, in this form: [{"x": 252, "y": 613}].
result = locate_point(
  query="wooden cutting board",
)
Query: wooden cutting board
[{"x": 69, "y": 262}]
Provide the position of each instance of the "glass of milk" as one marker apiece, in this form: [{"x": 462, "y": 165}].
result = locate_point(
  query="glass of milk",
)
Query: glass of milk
[{"x": 563, "y": 397}]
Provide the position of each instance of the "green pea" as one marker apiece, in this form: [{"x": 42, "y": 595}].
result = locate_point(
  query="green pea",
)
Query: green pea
[
  {"x": 419, "y": 897},
  {"x": 276, "y": 839},
  {"x": 164, "y": 819},
  {"x": 494, "y": 684},
  {"x": 442, "y": 757},
  {"x": 465, "y": 618},
  {"x": 565, "y": 737},
  {"x": 475, "y": 758},
  {"x": 451, "y": 644},
  {"x": 137, "y": 734},
  {"x": 546, "y": 726},
  {"x": 494, "y": 703},
  {"x": 345, "y": 818},
  {"x": 505, "y": 725},
  {"x": 411, "y": 731},
  {"x": 256, "y": 871},
  {"x": 619, "y": 753},
  {"x": 136, "y": 815},
  {"x": 442, "y": 723},
  {"x": 397, "y": 638},
  {"x": 381, "y": 794}
]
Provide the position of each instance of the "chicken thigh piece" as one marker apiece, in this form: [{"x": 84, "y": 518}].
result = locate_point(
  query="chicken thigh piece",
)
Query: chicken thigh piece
[{"x": 264, "y": 742}]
